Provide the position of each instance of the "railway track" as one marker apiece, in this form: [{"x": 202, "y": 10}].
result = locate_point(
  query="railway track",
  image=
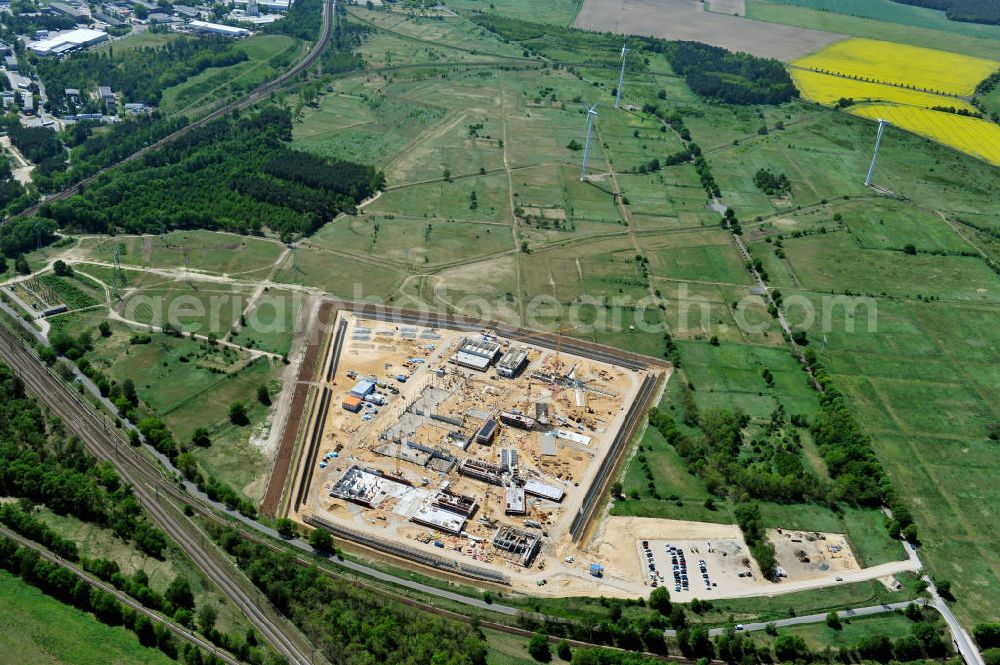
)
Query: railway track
[
  {"x": 257, "y": 94},
  {"x": 151, "y": 489},
  {"x": 185, "y": 634},
  {"x": 155, "y": 488}
]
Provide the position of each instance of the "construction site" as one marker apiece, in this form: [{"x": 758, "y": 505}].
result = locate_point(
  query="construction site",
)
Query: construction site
[{"x": 465, "y": 450}]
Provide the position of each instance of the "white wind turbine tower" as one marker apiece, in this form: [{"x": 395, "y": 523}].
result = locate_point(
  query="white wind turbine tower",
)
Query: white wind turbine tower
[
  {"x": 621, "y": 78},
  {"x": 591, "y": 113},
  {"x": 878, "y": 141}
]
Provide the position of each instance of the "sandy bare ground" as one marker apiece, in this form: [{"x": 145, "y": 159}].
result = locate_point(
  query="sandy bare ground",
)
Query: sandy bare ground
[
  {"x": 22, "y": 168},
  {"x": 687, "y": 20}
]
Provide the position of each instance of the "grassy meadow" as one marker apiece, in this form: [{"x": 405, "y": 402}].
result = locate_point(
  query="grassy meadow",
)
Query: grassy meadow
[{"x": 36, "y": 628}]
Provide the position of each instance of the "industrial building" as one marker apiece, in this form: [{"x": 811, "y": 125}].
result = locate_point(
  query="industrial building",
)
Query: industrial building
[
  {"x": 437, "y": 518},
  {"x": 508, "y": 460},
  {"x": 363, "y": 388},
  {"x": 268, "y": 5},
  {"x": 368, "y": 487},
  {"x": 480, "y": 470},
  {"x": 77, "y": 15},
  {"x": 514, "y": 501},
  {"x": 456, "y": 503},
  {"x": 518, "y": 420},
  {"x": 477, "y": 354},
  {"x": 352, "y": 403},
  {"x": 547, "y": 444},
  {"x": 187, "y": 12},
  {"x": 67, "y": 42},
  {"x": 513, "y": 363},
  {"x": 487, "y": 432},
  {"x": 109, "y": 20},
  {"x": 521, "y": 544},
  {"x": 543, "y": 490},
  {"x": 218, "y": 29}
]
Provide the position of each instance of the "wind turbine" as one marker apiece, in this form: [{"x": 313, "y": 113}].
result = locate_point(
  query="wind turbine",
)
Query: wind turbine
[
  {"x": 621, "y": 78},
  {"x": 591, "y": 113},
  {"x": 878, "y": 141}
]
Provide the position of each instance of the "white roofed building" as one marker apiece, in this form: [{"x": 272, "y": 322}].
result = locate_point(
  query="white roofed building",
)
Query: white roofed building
[
  {"x": 218, "y": 29},
  {"x": 65, "y": 42}
]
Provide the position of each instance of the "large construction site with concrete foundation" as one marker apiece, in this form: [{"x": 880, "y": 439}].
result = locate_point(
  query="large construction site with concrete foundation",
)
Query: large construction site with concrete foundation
[
  {"x": 486, "y": 454},
  {"x": 465, "y": 450}
]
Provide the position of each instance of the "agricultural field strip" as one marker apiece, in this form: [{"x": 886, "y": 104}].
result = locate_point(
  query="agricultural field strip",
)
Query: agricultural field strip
[
  {"x": 829, "y": 88},
  {"x": 979, "y": 138},
  {"x": 905, "y": 82}
]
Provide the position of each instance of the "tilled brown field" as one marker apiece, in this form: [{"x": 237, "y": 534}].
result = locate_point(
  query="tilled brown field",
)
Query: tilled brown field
[{"x": 686, "y": 20}]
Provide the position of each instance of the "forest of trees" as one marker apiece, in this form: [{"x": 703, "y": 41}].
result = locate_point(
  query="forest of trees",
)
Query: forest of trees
[
  {"x": 141, "y": 74},
  {"x": 36, "y": 143},
  {"x": 23, "y": 234},
  {"x": 44, "y": 466},
  {"x": 350, "y": 624},
  {"x": 970, "y": 11},
  {"x": 767, "y": 468},
  {"x": 236, "y": 173},
  {"x": 733, "y": 78},
  {"x": 303, "y": 21},
  {"x": 14, "y": 197}
]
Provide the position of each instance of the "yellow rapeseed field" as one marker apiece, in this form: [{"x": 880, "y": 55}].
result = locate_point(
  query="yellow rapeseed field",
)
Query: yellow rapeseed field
[
  {"x": 878, "y": 76},
  {"x": 971, "y": 135},
  {"x": 888, "y": 62},
  {"x": 827, "y": 89}
]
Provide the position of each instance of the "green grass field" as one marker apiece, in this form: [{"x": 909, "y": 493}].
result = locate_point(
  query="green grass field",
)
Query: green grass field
[
  {"x": 238, "y": 256},
  {"x": 268, "y": 55},
  {"x": 834, "y": 262},
  {"x": 820, "y": 636},
  {"x": 190, "y": 384},
  {"x": 134, "y": 40},
  {"x": 908, "y": 25},
  {"x": 35, "y": 628},
  {"x": 272, "y": 321}
]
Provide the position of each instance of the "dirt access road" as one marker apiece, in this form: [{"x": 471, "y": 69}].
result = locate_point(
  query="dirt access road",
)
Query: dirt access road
[{"x": 688, "y": 20}]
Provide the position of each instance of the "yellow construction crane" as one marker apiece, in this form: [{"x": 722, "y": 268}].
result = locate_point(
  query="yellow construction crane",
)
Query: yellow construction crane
[{"x": 559, "y": 337}]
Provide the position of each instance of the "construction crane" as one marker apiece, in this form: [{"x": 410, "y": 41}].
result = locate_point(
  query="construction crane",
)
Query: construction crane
[{"x": 559, "y": 337}]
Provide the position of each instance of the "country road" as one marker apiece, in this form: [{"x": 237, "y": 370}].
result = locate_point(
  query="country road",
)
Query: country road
[
  {"x": 85, "y": 422},
  {"x": 819, "y": 618}
]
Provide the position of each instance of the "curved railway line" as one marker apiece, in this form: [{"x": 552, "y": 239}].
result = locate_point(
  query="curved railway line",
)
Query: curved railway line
[
  {"x": 151, "y": 488},
  {"x": 257, "y": 94},
  {"x": 162, "y": 498}
]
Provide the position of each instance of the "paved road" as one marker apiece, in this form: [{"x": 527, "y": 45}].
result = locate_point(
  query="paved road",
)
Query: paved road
[
  {"x": 180, "y": 631},
  {"x": 9, "y": 347},
  {"x": 819, "y": 618}
]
